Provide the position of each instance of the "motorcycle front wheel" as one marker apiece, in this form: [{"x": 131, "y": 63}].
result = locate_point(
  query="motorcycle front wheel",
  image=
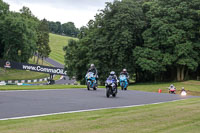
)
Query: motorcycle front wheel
[
  {"x": 88, "y": 85},
  {"x": 107, "y": 92},
  {"x": 125, "y": 88},
  {"x": 122, "y": 87}
]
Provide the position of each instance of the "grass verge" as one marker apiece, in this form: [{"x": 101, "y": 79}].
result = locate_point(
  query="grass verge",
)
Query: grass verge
[
  {"x": 173, "y": 117},
  {"x": 40, "y": 87},
  {"x": 13, "y": 74},
  {"x": 192, "y": 87}
]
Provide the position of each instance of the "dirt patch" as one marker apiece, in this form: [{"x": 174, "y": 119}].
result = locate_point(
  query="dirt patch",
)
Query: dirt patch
[{"x": 192, "y": 82}]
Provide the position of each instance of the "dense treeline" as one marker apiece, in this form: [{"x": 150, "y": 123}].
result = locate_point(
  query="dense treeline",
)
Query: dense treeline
[
  {"x": 22, "y": 35},
  {"x": 68, "y": 29},
  {"x": 155, "y": 40}
]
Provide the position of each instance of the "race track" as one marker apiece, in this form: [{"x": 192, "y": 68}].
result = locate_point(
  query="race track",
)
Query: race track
[
  {"x": 61, "y": 81},
  {"x": 39, "y": 102}
]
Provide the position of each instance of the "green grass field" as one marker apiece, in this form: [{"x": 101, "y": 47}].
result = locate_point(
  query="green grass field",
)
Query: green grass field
[
  {"x": 57, "y": 42},
  {"x": 172, "y": 117},
  {"x": 12, "y": 74},
  {"x": 40, "y": 87}
]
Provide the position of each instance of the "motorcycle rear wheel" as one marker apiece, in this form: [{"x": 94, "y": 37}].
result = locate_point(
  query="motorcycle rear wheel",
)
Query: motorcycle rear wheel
[{"x": 114, "y": 94}]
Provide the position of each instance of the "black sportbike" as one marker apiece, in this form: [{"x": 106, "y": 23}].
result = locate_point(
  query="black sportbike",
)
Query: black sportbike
[{"x": 111, "y": 88}]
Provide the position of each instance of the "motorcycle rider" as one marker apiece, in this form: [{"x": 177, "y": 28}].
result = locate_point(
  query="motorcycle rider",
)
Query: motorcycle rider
[
  {"x": 171, "y": 87},
  {"x": 124, "y": 72},
  {"x": 183, "y": 89},
  {"x": 93, "y": 70},
  {"x": 113, "y": 76}
]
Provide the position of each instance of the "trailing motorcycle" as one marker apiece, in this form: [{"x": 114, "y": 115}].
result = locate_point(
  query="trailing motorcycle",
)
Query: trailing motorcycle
[
  {"x": 123, "y": 82},
  {"x": 111, "y": 88},
  {"x": 91, "y": 81},
  {"x": 183, "y": 92},
  {"x": 172, "y": 90}
]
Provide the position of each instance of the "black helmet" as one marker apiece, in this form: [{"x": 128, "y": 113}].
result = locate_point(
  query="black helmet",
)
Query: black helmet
[{"x": 112, "y": 73}]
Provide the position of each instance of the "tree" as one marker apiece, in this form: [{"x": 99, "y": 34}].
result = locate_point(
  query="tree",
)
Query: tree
[
  {"x": 59, "y": 28},
  {"x": 18, "y": 37},
  {"x": 26, "y": 12},
  {"x": 108, "y": 42},
  {"x": 171, "y": 33},
  {"x": 22, "y": 34},
  {"x": 55, "y": 27},
  {"x": 69, "y": 29},
  {"x": 43, "y": 47},
  {"x": 4, "y": 10},
  {"x": 76, "y": 60},
  {"x": 52, "y": 27},
  {"x": 82, "y": 32}
]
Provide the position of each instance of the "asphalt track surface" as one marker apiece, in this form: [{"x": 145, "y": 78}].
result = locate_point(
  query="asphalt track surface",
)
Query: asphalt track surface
[
  {"x": 39, "y": 102},
  {"x": 61, "y": 81}
]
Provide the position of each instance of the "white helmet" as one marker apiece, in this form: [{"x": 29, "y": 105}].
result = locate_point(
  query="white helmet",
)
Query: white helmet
[
  {"x": 124, "y": 70},
  {"x": 92, "y": 65},
  {"x": 112, "y": 73}
]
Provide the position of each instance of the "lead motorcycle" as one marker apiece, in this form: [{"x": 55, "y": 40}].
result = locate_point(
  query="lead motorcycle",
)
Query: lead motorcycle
[
  {"x": 123, "y": 82},
  {"x": 91, "y": 81},
  {"x": 111, "y": 88}
]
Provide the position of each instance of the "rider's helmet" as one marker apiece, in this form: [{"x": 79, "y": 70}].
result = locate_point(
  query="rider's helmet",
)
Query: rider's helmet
[
  {"x": 92, "y": 66},
  {"x": 112, "y": 73},
  {"x": 171, "y": 86},
  {"x": 182, "y": 88},
  {"x": 124, "y": 70}
]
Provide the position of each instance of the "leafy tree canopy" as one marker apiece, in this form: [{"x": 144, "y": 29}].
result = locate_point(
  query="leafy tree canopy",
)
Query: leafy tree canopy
[
  {"x": 22, "y": 34},
  {"x": 155, "y": 40},
  {"x": 108, "y": 41}
]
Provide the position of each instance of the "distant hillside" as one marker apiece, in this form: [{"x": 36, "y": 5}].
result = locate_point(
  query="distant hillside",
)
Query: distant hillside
[{"x": 57, "y": 42}]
